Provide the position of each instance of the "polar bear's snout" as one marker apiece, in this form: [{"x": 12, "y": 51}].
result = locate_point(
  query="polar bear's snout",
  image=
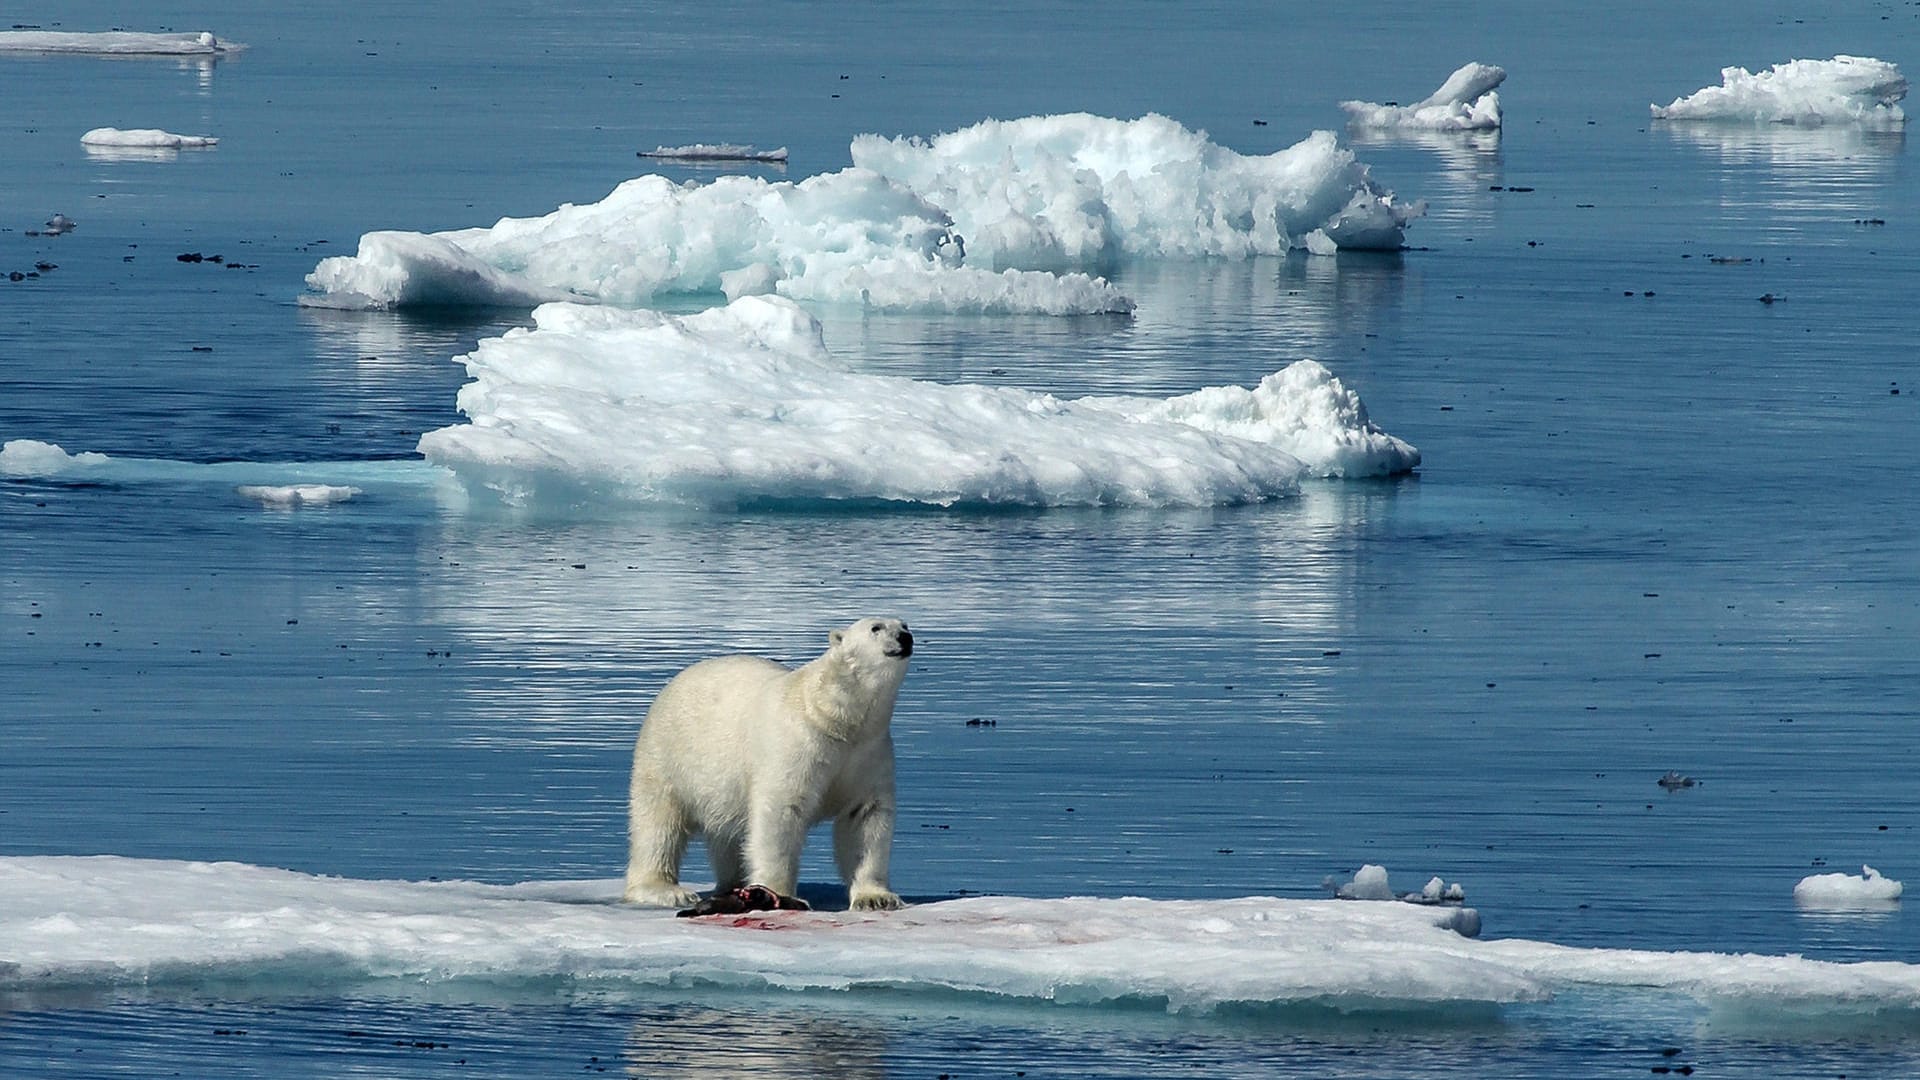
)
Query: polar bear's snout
[{"x": 903, "y": 644}]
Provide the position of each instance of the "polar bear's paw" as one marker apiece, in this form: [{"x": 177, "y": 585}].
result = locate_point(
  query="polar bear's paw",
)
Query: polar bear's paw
[
  {"x": 660, "y": 894},
  {"x": 869, "y": 898}
]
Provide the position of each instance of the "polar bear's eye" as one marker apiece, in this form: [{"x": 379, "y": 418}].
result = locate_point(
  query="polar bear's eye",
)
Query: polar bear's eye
[{"x": 876, "y": 628}]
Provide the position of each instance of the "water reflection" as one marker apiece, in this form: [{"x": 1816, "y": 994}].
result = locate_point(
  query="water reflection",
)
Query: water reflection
[
  {"x": 1470, "y": 163},
  {"x": 707, "y": 1042},
  {"x": 1814, "y": 173}
]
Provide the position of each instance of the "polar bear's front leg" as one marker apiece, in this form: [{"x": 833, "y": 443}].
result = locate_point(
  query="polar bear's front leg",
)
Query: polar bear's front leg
[
  {"x": 862, "y": 846},
  {"x": 774, "y": 837},
  {"x": 657, "y": 836}
]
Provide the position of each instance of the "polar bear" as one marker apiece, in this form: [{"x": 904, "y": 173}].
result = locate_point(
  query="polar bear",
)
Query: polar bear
[{"x": 751, "y": 753}]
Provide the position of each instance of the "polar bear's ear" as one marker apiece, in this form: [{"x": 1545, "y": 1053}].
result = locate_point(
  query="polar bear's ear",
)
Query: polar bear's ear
[{"x": 835, "y": 637}]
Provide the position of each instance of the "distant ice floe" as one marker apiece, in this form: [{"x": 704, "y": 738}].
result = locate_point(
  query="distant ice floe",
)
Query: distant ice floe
[
  {"x": 1371, "y": 882},
  {"x": 1845, "y": 892},
  {"x": 292, "y": 495},
  {"x": 999, "y": 218},
  {"x": 144, "y": 139},
  {"x": 65, "y": 923},
  {"x": 1467, "y": 101},
  {"x": 1844, "y": 90},
  {"x": 115, "y": 43},
  {"x": 743, "y": 405},
  {"x": 715, "y": 152}
]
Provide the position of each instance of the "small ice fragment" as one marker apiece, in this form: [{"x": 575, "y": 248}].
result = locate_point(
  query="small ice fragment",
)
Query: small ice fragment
[
  {"x": 1369, "y": 883},
  {"x": 1465, "y": 102},
  {"x": 1674, "y": 781},
  {"x": 297, "y": 494},
  {"x": 145, "y": 138},
  {"x": 1844, "y": 90},
  {"x": 59, "y": 223},
  {"x": 1844, "y": 891}
]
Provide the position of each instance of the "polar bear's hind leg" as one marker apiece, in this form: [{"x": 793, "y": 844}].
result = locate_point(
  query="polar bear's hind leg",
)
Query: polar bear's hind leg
[{"x": 657, "y": 835}]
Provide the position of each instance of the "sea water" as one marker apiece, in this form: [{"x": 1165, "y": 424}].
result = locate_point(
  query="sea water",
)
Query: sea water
[{"x": 1659, "y": 524}]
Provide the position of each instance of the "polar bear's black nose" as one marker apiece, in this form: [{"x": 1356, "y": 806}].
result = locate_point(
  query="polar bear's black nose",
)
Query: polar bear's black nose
[{"x": 906, "y": 644}]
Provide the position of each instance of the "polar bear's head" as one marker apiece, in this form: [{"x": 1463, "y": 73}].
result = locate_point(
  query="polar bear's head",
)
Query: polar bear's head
[{"x": 876, "y": 642}]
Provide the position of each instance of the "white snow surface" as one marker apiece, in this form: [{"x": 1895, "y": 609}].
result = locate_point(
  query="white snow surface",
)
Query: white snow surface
[
  {"x": 1844, "y": 90},
  {"x": 1845, "y": 891},
  {"x": 145, "y": 138},
  {"x": 715, "y": 152},
  {"x": 104, "y": 921},
  {"x": 115, "y": 43},
  {"x": 743, "y": 404},
  {"x": 1467, "y": 101},
  {"x": 998, "y": 218},
  {"x": 1079, "y": 191}
]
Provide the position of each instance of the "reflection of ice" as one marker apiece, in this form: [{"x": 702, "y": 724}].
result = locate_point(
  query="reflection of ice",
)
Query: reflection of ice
[
  {"x": 1815, "y": 172},
  {"x": 694, "y": 1041},
  {"x": 1470, "y": 160},
  {"x": 386, "y": 340},
  {"x": 97, "y": 152}
]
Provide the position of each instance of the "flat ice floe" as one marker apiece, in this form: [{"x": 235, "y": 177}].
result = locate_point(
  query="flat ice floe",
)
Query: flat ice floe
[
  {"x": 145, "y": 139},
  {"x": 715, "y": 152},
  {"x": 743, "y": 405},
  {"x": 1467, "y": 101},
  {"x": 1844, "y": 90},
  {"x": 103, "y": 922},
  {"x": 997, "y": 218},
  {"x": 114, "y": 43},
  {"x": 274, "y": 484}
]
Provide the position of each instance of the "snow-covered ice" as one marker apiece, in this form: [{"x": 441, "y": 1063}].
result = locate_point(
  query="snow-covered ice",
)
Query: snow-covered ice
[
  {"x": 1467, "y": 101},
  {"x": 1844, "y": 90},
  {"x": 145, "y": 138},
  {"x": 104, "y": 921},
  {"x": 743, "y": 404},
  {"x": 998, "y": 218},
  {"x": 270, "y": 483},
  {"x": 115, "y": 43},
  {"x": 1839, "y": 892},
  {"x": 715, "y": 152}
]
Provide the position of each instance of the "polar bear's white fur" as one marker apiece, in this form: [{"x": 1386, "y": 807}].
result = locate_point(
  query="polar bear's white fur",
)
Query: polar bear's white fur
[{"x": 751, "y": 753}]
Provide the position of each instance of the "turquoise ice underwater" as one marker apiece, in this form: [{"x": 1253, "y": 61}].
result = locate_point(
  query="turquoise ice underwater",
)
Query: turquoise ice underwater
[{"x": 1672, "y": 531}]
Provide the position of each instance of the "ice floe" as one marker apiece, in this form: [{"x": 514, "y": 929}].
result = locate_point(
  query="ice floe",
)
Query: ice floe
[
  {"x": 1844, "y": 90},
  {"x": 1001, "y": 217},
  {"x": 145, "y": 139},
  {"x": 1840, "y": 892},
  {"x": 102, "y": 922},
  {"x": 114, "y": 43},
  {"x": 715, "y": 152},
  {"x": 297, "y": 494},
  {"x": 743, "y": 405},
  {"x": 1467, "y": 101}
]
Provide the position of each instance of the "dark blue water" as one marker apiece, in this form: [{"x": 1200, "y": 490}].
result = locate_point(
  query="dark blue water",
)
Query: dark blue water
[{"x": 1660, "y": 525}]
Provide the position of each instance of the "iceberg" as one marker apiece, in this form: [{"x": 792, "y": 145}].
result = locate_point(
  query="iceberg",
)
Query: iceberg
[
  {"x": 115, "y": 43},
  {"x": 999, "y": 218},
  {"x": 744, "y": 405},
  {"x": 1467, "y": 101},
  {"x": 1844, "y": 90},
  {"x": 66, "y": 922},
  {"x": 145, "y": 138},
  {"x": 1080, "y": 192}
]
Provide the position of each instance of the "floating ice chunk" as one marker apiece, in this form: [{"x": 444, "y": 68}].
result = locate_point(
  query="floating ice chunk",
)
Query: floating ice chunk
[
  {"x": 291, "y": 495},
  {"x": 847, "y": 237},
  {"x": 65, "y": 924},
  {"x": 715, "y": 152},
  {"x": 115, "y": 43},
  {"x": 60, "y": 224},
  {"x": 1465, "y": 102},
  {"x": 743, "y": 404},
  {"x": 1844, "y": 90},
  {"x": 1369, "y": 883},
  {"x": 760, "y": 279},
  {"x": 31, "y": 458},
  {"x": 1079, "y": 191},
  {"x": 1832, "y": 892},
  {"x": 145, "y": 138}
]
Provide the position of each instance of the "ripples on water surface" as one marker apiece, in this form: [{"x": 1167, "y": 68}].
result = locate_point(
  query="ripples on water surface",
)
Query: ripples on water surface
[{"x": 1660, "y": 525}]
